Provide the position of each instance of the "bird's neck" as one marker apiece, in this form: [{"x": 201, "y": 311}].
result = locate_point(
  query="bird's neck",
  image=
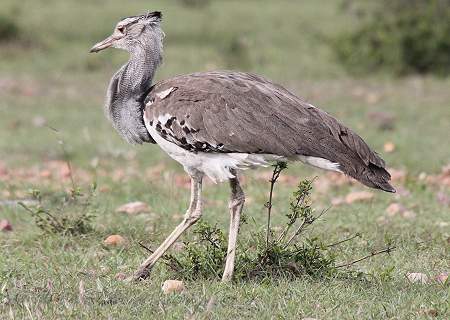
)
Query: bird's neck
[{"x": 127, "y": 91}]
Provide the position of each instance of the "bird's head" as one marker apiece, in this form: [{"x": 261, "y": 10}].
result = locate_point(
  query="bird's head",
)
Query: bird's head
[{"x": 134, "y": 32}]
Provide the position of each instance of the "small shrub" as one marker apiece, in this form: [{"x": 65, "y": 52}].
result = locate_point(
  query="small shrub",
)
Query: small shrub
[
  {"x": 9, "y": 29},
  {"x": 264, "y": 254},
  {"x": 203, "y": 257},
  {"x": 404, "y": 36},
  {"x": 71, "y": 216}
]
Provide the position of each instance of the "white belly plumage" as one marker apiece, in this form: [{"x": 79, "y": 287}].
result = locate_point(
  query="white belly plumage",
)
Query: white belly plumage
[{"x": 217, "y": 165}]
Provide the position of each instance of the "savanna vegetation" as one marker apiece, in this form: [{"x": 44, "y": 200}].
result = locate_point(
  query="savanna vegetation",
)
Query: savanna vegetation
[{"x": 64, "y": 172}]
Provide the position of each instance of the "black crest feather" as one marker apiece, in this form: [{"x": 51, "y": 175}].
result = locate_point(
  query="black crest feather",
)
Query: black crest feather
[{"x": 155, "y": 15}]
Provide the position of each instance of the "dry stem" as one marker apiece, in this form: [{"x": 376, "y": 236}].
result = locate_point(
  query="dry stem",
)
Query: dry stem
[{"x": 372, "y": 254}]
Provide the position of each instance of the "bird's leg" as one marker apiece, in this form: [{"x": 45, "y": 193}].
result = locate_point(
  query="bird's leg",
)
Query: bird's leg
[
  {"x": 192, "y": 215},
  {"x": 236, "y": 204}
]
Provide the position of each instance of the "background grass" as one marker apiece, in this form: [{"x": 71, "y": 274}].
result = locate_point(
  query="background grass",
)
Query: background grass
[{"x": 47, "y": 76}]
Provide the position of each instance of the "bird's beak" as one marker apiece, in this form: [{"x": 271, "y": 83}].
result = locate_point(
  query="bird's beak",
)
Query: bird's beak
[{"x": 103, "y": 44}]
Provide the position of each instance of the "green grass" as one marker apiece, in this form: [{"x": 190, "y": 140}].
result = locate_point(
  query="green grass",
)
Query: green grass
[{"x": 48, "y": 73}]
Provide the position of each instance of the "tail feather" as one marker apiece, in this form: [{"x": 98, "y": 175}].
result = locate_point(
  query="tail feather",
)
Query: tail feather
[{"x": 373, "y": 176}]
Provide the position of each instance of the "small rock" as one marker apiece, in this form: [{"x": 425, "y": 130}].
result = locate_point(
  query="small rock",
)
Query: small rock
[
  {"x": 442, "y": 278},
  {"x": 398, "y": 209},
  {"x": 358, "y": 196},
  {"x": 170, "y": 286},
  {"x": 394, "y": 208},
  {"x": 5, "y": 225},
  {"x": 337, "y": 201},
  {"x": 389, "y": 147},
  {"x": 417, "y": 277},
  {"x": 114, "y": 240},
  {"x": 442, "y": 179},
  {"x": 422, "y": 176},
  {"x": 65, "y": 171},
  {"x": 373, "y": 97},
  {"x": 408, "y": 214},
  {"x": 134, "y": 208},
  {"x": 94, "y": 162},
  {"x": 104, "y": 189},
  {"x": 45, "y": 173},
  {"x": 39, "y": 121}
]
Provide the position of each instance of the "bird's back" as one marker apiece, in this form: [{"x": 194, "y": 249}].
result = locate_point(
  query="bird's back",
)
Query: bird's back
[{"x": 226, "y": 111}]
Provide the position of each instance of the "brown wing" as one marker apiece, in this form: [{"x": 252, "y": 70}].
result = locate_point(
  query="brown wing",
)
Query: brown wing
[{"x": 239, "y": 112}]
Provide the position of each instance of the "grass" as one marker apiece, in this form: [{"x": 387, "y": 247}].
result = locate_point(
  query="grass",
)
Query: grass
[{"x": 49, "y": 78}]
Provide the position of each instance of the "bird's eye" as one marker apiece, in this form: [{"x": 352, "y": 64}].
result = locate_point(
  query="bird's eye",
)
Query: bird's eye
[{"x": 121, "y": 29}]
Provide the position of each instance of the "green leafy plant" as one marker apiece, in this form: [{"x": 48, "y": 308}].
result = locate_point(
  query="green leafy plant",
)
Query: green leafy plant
[
  {"x": 9, "y": 29},
  {"x": 73, "y": 216},
  {"x": 265, "y": 254},
  {"x": 69, "y": 214},
  {"x": 403, "y": 36},
  {"x": 202, "y": 257}
]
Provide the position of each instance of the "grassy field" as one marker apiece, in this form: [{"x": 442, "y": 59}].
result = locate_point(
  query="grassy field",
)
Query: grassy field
[{"x": 48, "y": 79}]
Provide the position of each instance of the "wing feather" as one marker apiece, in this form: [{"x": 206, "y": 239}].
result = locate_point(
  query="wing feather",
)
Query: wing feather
[{"x": 240, "y": 112}]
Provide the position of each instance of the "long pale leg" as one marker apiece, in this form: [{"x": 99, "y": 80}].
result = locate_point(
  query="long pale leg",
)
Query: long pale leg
[
  {"x": 236, "y": 204},
  {"x": 192, "y": 215}
]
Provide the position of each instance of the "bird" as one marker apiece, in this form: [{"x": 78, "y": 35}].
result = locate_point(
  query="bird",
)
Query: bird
[{"x": 218, "y": 123}]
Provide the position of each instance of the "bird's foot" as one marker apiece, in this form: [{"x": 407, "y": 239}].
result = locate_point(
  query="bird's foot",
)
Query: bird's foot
[
  {"x": 139, "y": 275},
  {"x": 227, "y": 277}
]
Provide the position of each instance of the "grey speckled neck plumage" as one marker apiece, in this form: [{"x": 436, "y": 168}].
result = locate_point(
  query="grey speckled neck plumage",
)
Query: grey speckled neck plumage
[{"x": 128, "y": 87}]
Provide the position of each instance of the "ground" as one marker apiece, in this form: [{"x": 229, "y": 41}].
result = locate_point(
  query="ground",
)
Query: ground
[{"x": 52, "y": 90}]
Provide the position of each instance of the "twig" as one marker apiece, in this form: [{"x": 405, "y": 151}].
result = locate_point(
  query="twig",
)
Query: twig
[
  {"x": 278, "y": 167},
  {"x": 300, "y": 198},
  {"x": 69, "y": 166},
  {"x": 66, "y": 158},
  {"x": 36, "y": 213},
  {"x": 166, "y": 260},
  {"x": 306, "y": 222},
  {"x": 298, "y": 204},
  {"x": 344, "y": 240},
  {"x": 372, "y": 254},
  {"x": 145, "y": 247}
]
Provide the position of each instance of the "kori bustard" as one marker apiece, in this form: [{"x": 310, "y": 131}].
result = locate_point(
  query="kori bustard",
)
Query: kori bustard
[{"x": 217, "y": 123}]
